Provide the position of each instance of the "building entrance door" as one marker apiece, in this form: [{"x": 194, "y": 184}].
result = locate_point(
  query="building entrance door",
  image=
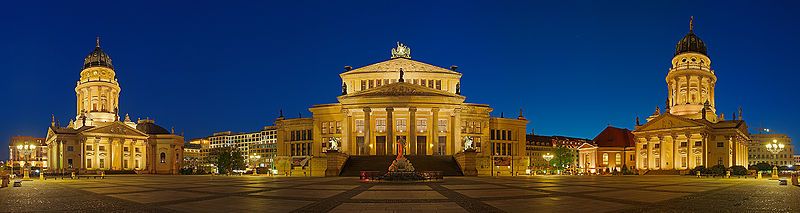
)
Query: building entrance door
[
  {"x": 440, "y": 149},
  {"x": 421, "y": 149},
  {"x": 360, "y": 146},
  {"x": 380, "y": 142}
]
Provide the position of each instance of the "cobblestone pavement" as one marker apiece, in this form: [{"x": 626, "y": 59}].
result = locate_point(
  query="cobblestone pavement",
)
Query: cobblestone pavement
[{"x": 455, "y": 194}]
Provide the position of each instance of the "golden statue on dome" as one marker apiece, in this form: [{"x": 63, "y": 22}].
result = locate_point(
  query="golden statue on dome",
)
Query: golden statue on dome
[{"x": 401, "y": 51}]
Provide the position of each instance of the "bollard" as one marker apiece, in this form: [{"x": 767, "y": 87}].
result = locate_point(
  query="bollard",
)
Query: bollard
[
  {"x": 102, "y": 174},
  {"x": 728, "y": 174},
  {"x": 73, "y": 175},
  {"x": 41, "y": 175},
  {"x": 698, "y": 174},
  {"x": 759, "y": 175}
]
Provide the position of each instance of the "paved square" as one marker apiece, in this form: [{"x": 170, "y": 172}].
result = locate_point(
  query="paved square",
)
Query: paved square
[{"x": 137, "y": 193}]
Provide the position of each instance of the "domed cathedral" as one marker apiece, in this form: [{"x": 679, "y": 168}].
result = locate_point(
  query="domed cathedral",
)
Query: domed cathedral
[
  {"x": 689, "y": 133},
  {"x": 401, "y": 104},
  {"x": 98, "y": 140}
]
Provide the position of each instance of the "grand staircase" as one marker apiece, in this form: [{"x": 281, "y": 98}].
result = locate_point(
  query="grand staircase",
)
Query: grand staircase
[{"x": 355, "y": 164}]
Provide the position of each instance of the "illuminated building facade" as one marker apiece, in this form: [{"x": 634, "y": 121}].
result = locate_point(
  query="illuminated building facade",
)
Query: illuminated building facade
[
  {"x": 35, "y": 158},
  {"x": 759, "y": 153}
]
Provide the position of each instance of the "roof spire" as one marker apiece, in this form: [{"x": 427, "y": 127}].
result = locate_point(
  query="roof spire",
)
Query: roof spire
[
  {"x": 97, "y": 41},
  {"x": 691, "y": 23}
]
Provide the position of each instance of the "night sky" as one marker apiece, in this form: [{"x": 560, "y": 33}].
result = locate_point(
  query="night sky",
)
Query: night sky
[{"x": 573, "y": 67}]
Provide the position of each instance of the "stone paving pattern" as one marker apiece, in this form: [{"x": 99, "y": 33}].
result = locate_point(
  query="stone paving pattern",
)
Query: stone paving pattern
[{"x": 454, "y": 194}]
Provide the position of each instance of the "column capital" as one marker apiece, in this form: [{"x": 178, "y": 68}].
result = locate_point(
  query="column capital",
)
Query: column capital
[
  {"x": 435, "y": 109},
  {"x": 412, "y": 109},
  {"x": 389, "y": 109},
  {"x": 367, "y": 109}
]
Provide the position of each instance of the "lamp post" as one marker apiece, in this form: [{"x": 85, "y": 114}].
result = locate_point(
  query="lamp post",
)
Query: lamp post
[
  {"x": 547, "y": 157},
  {"x": 775, "y": 148},
  {"x": 26, "y": 150}
]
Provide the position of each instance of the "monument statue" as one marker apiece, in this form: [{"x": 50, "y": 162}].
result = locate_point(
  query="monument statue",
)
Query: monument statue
[
  {"x": 401, "y": 51},
  {"x": 333, "y": 144},
  {"x": 468, "y": 143}
]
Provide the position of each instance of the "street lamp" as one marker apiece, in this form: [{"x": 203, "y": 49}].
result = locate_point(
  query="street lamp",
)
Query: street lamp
[
  {"x": 775, "y": 148},
  {"x": 547, "y": 157},
  {"x": 25, "y": 150}
]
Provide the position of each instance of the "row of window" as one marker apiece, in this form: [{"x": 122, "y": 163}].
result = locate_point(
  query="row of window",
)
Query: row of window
[
  {"x": 501, "y": 148},
  {"x": 770, "y": 156},
  {"x": 368, "y": 84},
  {"x": 500, "y": 134},
  {"x": 103, "y": 163},
  {"x": 683, "y": 144},
  {"x": 103, "y": 148},
  {"x": 401, "y": 125},
  {"x": 697, "y": 159},
  {"x": 301, "y": 135},
  {"x": 300, "y": 149},
  {"x": 472, "y": 127}
]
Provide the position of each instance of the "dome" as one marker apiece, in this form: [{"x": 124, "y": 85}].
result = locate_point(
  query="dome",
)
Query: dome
[
  {"x": 97, "y": 58},
  {"x": 149, "y": 127},
  {"x": 691, "y": 43}
]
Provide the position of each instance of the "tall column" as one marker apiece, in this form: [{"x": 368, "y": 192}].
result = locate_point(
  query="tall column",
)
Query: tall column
[
  {"x": 346, "y": 141},
  {"x": 690, "y": 152},
  {"x": 651, "y": 161},
  {"x": 111, "y": 154},
  {"x": 434, "y": 131},
  {"x": 687, "y": 90},
  {"x": 389, "y": 130},
  {"x": 704, "y": 139},
  {"x": 661, "y": 153},
  {"x": 450, "y": 145},
  {"x": 457, "y": 139},
  {"x": 368, "y": 130},
  {"x": 412, "y": 130},
  {"x": 676, "y": 155}
]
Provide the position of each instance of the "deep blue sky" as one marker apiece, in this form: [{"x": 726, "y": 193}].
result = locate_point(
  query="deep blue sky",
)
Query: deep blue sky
[{"x": 574, "y": 66}]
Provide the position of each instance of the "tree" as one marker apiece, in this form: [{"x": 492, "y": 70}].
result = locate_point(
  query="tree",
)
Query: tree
[
  {"x": 717, "y": 170},
  {"x": 227, "y": 159},
  {"x": 701, "y": 169},
  {"x": 738, "y": 170},
  {"x": 563, "y": 158},
  {"x": 763, "y": 167}
]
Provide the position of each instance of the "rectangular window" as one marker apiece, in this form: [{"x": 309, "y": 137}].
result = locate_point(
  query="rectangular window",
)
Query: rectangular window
[
  {"x": 378, "y": 83},
  {"x": 102, "y": 163},
  {"x": 69, "y": 163},
  {"x": 477, "y": 145},
  {"x": 442, "y": 125},
  {"x": 422, "y": 125},
  {"x": 423, "y": 83},
  {"x": 338, "y": 127},
  {"x": 324, "y": 127},
  {"x": 439, "y": 84},
  {"x": 658, "y": 162},
  {"x": 720, "y": 144},
  {"x": 360, "y": 125},
  {"x": 371, "y": 83},
  {"x": 656, "y": 146},
  {"x": 89, "y": 148},
  {"x": 137, "y": 150},
  {"x": 380, "y": 124},
  {"x": 70, "y": 149},
  {"x": 644, "y": 146},
  {"x": 684, "y": 144},
  {"x": 88, "y": 163},
  {"x": 683, "y": 161},
  {"x": 478, "y": 128},
  {"x": 102, "y": 149},
  {"x": 401, "y": 124},
  {"x": 430, "y": 83},
  {"x": 698, "y": 143},
  {"x": 464, "y": 127},
  {"x": 125, "y": 149},
  {"x": 491, "y": 135},
  {"x": 385, "y": 81},
  {"x": 502, "y": 135},
  {"x": 363, "y": 85},
  {"x": 416, "y": 81},
  {"x": 125, "y": 164}
]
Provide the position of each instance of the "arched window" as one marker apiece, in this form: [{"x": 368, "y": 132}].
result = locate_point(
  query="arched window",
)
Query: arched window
[
  {"x": 618, "y": 159},
  {"x": 605, "y": 158},
  {"x": 163, "y": 157}
]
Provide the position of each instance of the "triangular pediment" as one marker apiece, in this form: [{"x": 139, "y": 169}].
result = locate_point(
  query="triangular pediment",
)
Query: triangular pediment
[
  {"x": 395, "y": 64},
  {"x": 669, "y": 121},
  {"x": 400, "y": 89},
  {"x": 586, "y": 146},
  {"x": 115, "y": 128}
]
